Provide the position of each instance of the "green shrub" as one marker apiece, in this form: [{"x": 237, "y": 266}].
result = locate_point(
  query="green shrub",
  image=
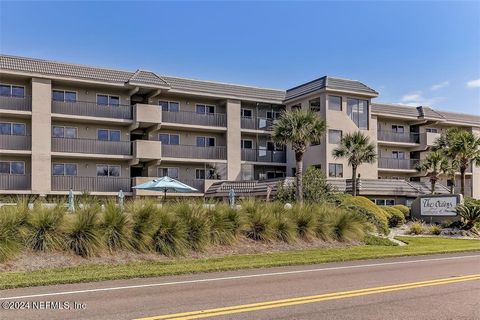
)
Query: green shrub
[
  {"x": 435, "y": 230},
  {"x": 142, "y": 215},
  {"x": 403, "y": 209},
  {"x": 11, "y": 231},
  {"x": 324, "y": 227},
  {"x": 417, "y": 228},
  {"x": 304, "y": 220},
  {"x": 284, "y": 229},
  {"x": 395, "y": 216},
  {"x": 45, "y": 228},
  {"x": 196, "y": 221},
  {"x": 470, "y": 214},
  {"x": 348, "y": 226},
  {"x": 82, "y": 234},
  {"x": 115, "y": 227},
  {"x": 169, "y": 236},
  {"x": 371, "y": 240},
  {"x": 371, "y": 211},
  {"x": 224, "y": 224},
  {"x": 260, "y": 223}
]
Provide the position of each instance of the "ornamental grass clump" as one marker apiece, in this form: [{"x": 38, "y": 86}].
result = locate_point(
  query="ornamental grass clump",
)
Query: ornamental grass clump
[
  {"x": 142, "y": 215},
  {"x": 224, "y": 224},
  {"x": 304, "y": 221},
  {"x": 324, "y": 227},
  {"x": 82, "y": 235},
  {"x": 115, "y": 227},
  {"x": 260, "y": 223},
  {"x": 417, "y": 228},
  {"x": 45, "y": 228},
  {"x": 170, "y": 235},
  {"x": 12, "y": 231},
  {"x": 348, "y": 226},
  {"x": 197, "y": 223}
]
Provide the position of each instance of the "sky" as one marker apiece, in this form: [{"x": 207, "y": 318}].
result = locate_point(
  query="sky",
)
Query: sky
[{"x": 416, "y": 53}]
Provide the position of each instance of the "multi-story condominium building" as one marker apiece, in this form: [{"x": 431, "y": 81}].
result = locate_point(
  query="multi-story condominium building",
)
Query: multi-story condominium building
[{"x": 67, "y": 126}]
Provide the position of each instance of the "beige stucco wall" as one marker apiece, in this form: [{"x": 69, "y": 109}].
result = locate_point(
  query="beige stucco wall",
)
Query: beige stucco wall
[
  {"x": 233, "y": 139},
  {"x": 41, "y": 133},
  {"x": 90, "y": 130}
]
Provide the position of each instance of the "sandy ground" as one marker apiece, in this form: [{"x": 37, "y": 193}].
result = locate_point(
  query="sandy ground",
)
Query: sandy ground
[{"x": 29, "y": 260}]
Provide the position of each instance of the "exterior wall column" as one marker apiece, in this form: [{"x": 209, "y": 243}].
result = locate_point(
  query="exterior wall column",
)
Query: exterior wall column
[
  {"x": 41, "y": 136},
  {"x": 234, "y": 164},
  {"x": 476, "y": 172}
]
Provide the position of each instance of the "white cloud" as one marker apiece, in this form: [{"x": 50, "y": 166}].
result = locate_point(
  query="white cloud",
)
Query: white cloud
[
  {"x": 417, "y": 99},
  {"x": 439, "y": 85},
  {"x": 474, "y": 83}
]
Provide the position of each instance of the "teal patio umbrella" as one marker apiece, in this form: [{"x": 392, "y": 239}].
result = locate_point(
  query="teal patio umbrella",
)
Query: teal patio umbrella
[{"x": 165, "y": 184}]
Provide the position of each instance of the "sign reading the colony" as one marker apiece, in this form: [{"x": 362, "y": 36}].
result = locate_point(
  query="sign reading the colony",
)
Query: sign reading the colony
[{"x": 438, "y": 206}]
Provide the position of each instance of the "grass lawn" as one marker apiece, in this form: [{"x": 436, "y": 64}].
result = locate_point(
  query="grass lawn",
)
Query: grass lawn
[{"x": 416, "y": 246}]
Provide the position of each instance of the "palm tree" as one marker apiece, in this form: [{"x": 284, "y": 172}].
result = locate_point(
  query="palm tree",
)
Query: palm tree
[
  {"x": 357, "y": 149},
  {"x": 434, "y": 165},
  {"x": 449, "y": 168},
  {"x": 462, "y": 147},
  {"x": 300, "y": 129}
]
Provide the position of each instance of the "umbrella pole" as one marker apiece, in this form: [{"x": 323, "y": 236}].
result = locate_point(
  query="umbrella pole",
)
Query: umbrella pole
[{"x": 165, "y": 195}]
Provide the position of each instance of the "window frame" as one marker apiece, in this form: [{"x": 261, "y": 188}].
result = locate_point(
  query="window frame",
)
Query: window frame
[
  {"x": 334, "y": 96},
  {"x": 168, "y": 105},
  {"x": 65, "y": 127},
  {"x": 11, "y": 90},
  {"x": 242, "y": 143},
  {"x": 11, "y": 128},
  {"x": 336, "y": 174},
  {"x": 10, "y": 167},
  {"x": 329, "y": 135},
  {"x": 64, "y": 164},
  {"x": 109, "y": 131},
  {"x": 169, "y": 138},
  {"x": 108, "y": 169},
  {"x": 395, "y": 128},
  {"x": 205, "y": 139},
  {"x": 109, "y": 96},
  {"x": 242, "y": 114},
  {"x": 206, "y": 106},
  {"x": 168, "y": 169},
  {"x": 204, "y": 173},
  {"x": 398, "y": 153},
  {"x": 314, "y": 108},
  {"x": 431, "y": 130},
  {"x": 64, "y": 92},
  {"x": 357, "y": 121}
]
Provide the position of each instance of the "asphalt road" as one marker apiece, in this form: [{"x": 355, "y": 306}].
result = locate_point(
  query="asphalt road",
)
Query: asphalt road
[{"x": 427, "y": 287}]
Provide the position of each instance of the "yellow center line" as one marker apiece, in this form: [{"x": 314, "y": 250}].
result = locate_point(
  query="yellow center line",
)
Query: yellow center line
[{"x": 309, "y": 299}]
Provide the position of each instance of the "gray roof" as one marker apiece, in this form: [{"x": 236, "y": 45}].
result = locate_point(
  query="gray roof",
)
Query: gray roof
[
  {"x": 225, "y": 89},
  {"x": 423, "y": 112},
  {"x": 329, "y": 83}
]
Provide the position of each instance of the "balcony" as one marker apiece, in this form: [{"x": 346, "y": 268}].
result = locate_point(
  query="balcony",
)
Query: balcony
[
  {"x": 12, "y": 142},
  {"x": 261, "y": 155},
  {"x": 399, "y": 164},
  {"x": 193, "y": 118},
  {"x": 405, "y": 137},
  {"x": 194, "y": 152},
  {"x": 15, "y": 182},
  {"x": 91, "y": 146},
  {"x": 92, "y": 109},
  {"x": 91, "y": 184},
  {"x": 147, "y": 150},
  {"x": 257, "y": 123},
  {"x": 16, "y": 103}
]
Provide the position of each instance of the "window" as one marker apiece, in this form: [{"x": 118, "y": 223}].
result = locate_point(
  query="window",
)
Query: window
[
  {"x": 335, "y": 170},
  {"x": 357, "y": 110},
  {"x": 62, "y": 95},
  {"x": 315, "y": 105},
  {"x": 384, "y": 202},
  {"x": 167, "y": 138},
  {"x": 169, "y": 172},
  {"x": 12, "y": 167},
  {"x": 398, "y": 129},
  {"x": 205, "y": 142},
  {"x": 64, "y": 132},
  {"x": 205, "y": 109},
  {"x": 334, "y": 136},
  {"x": 104, "y": 170},
  {"x": 335, "y": 103},
  {"x": 271, "y": 146},
  {"x": 398, "y": 155},
  {"x": 246, "y": 144},
  {"x": 273, "y": 115},
  {"x": 169, "y": 106},
  {"x": 107, "y": 100},
  {"x": 247, "y": 113},
  {"x": 108, "y": 135},
  {"x": 64, "y": 169},
  {"x": 200, "y": 174},
  {"x": 12, "y": 91},
  {"x": 15, "y": 129},
  {"x": 431, "y": 130}
]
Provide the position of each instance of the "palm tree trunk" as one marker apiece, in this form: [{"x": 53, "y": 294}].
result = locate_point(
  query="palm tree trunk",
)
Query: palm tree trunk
[
  {"x": 433, "y": 181},
  {"x": 299, "y": 177},
  {"x": 462, "y": 180},
  {"x": 354, "y": 181}
]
